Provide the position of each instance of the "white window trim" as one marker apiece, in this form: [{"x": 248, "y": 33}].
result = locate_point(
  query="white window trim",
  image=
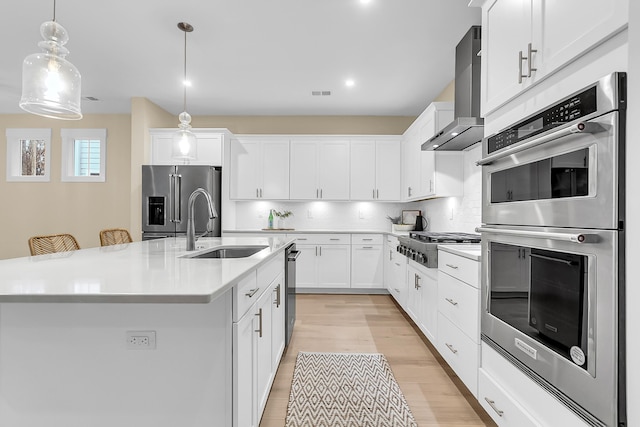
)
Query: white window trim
[
  {"x": 14, "y": 154},
  {"x": 69, "y": 136}
]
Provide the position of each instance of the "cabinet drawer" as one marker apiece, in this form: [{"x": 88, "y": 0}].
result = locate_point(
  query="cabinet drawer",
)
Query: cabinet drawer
[
  {"x": 460, "y": 303},
  {"x": 460, "y": 352},
  {"x": 459, "y": 267},
  {"x": 270, "y": 270},
  {"x": 366, "y": 239},
  {"x": 245, "y": 293},
  {"x": 496, "y": 401},
  {"x": 392, "y": 241},
  {"x": 322, "y": 239}
]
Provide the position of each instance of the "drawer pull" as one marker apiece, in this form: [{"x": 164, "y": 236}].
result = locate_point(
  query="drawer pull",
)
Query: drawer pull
[
  {"x": 277, "y": 291},
  {"x": 450, "y": 301},
  {"x": 450, "y": 347},
  {"x": 367, "y": 240},
  {"x": 334, "y": 239},
  {"x": 367, "y": 247},
  {"x": 455, "y": 267},
  {"x": 301, "y": 238},
  {"x": 493, "y": 406},
  {"x": 252, "y": 292}
]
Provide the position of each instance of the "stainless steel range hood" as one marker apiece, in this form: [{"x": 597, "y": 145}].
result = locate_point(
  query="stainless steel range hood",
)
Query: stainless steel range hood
[{"x": 468, "y": 127}]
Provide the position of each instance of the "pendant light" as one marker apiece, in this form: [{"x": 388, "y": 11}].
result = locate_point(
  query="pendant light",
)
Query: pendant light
[
  {"x": 50, "y": 83},
  {"x": 184, "y": 140}
]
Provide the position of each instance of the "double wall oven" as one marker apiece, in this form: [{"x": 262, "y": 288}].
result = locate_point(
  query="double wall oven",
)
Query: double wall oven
[{"x": 553, "y": 248}]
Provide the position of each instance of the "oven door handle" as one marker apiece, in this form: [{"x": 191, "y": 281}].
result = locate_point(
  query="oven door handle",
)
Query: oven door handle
[
  {"x": 565, "y": 237},
  {"x": 582, "y": 127},
  {"x": 548, "y": 258}
]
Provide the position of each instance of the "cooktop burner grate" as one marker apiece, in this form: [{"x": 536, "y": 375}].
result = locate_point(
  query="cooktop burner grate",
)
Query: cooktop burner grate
[{"x": 452, "y": 237}]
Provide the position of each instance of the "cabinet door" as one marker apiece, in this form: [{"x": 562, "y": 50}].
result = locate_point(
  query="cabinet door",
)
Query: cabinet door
[
  {"x": 562, "y": 30},
  {"x": 414, "y": 294},
  {"x": 334, "y": 265},
  {"x": 303, "y": 168},
  {"x": 427, "y": 173},
  {"x": 244, "y": 368},
  {"x": 275, "y": 170},
  {"x": 306, "y": 266},
  {"x": 387, "y": 170},
  {"x": 428, "y": 283},
  {"x": 277, "y": 321},
  {"x": 506, "y": 31},
  {"x": 264, "y": 370},
  {"x": 333, "y": 170},
  {"x": 366, "y": 266},
  {"x": 410, "y": 165},
  {"x": 245, "y": 170},
  {"x": 363, "y": 170}
]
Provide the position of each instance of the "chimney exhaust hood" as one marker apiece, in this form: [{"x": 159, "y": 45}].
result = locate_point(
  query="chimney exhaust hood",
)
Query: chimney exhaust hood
[{"x": 468, "y": 127}]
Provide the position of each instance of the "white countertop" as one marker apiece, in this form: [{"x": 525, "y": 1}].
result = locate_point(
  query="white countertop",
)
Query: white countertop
[
  {"x": 468, "y": 250},
  {"x": 141, "y": 272}
]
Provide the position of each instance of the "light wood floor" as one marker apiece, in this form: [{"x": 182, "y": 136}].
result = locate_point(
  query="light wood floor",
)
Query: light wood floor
[{"x": 374, "y": 324}]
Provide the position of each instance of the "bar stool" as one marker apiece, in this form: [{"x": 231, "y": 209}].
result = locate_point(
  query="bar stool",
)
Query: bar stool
[
  {"x": 114, "y": 236},
  {"x": 40, "y": 245}
]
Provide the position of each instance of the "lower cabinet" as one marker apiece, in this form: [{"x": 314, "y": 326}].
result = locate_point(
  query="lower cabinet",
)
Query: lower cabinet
[
  {"x": 367, "y": 261},
  {"x": 258, "y": 346},
  {"x": 324, "y": 261}
]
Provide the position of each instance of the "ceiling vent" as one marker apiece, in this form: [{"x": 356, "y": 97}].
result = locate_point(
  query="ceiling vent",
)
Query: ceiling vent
[{"x": 321, "y": 93}]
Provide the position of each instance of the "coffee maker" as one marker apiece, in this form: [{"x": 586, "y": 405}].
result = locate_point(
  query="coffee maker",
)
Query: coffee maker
[{"x": 421, "y": 222}]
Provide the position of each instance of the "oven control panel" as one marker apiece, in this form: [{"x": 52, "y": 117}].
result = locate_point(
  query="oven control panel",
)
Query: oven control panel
[{"x": 566, "y": 111}]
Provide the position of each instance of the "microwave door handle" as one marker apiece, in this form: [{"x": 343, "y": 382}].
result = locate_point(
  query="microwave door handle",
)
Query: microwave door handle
[
  {"x": 582, "y": 127},
  {"x": 565, "y": 237}
]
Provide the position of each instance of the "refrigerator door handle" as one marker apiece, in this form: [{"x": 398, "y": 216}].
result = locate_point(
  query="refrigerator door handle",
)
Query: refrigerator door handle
[
  {"x": 177, "y": 197},
  {"x": 172, "y": 192}
]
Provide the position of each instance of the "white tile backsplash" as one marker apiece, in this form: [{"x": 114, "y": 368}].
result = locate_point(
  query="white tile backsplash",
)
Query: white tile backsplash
[{"x": 446, "y": 214}]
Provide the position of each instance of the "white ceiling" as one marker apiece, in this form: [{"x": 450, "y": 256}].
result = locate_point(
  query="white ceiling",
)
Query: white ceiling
[{"x": 247, "y": 57}]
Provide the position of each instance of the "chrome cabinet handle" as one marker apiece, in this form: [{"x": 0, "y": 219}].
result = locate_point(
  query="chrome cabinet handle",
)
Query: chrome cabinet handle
[
  {"x": 334, "y": 239},
  {"x": 390, "y": 256},
  {"x": 257, "y": 193},
  {"x": 409, "y": 191},
  {"x": 521, "y": 58},
  {"x": 320, "y": 250},
  {"x": 321, "y": 193},
  {"x": 261, "y": 193},
  {"x": 302, "y": 238},
  {"x": 252, "y": 292},
  {"x": 277, "y": 291},
  {"x": 493, "y": 406},
  {"x": 450, "y": 301},
  {"x": 373, "y": 195},
  {"x": 259, "y": 324},
  {"x": 582, "y": 127},
  {"x": 377, "y": 194},
  {"x": 455, "y": 267},
  {"x": 316, "y": 251},
  {"x": 450, "y": 347},
  {"x": 367, "y": 247},
  {"x": 317, "y": 193},
  {"x": 430, "y": 186},
  {"x": 367, "y": 240},
  {"x": 418, "y": 286},
  {"x": 531, "y": 52}
]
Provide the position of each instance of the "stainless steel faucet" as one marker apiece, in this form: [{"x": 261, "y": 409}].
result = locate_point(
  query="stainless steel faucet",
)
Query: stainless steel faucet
[{"x": 191, "y": 229}]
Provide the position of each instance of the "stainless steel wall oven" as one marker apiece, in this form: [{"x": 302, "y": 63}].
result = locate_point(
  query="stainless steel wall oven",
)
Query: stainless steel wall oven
[{"x": 553, "y": 249}]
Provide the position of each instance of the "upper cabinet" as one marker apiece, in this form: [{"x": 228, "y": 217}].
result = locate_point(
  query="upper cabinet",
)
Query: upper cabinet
[
  {"x": 319, "y": 169},
  {"x": 428, "y": 174},
  {"x": 375, "y": 170},
  {"x": 525, "y": 41},
  {"x": 209, "y": 148},
  {"x": 259, "y": 168}
]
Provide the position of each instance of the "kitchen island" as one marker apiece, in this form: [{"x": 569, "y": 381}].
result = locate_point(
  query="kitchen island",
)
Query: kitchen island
[{"x": 127, "y": 335}]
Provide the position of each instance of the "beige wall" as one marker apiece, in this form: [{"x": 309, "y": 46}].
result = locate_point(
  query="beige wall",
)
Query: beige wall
[
  {"x": 327, "y": 125},
  {"x": 448, "y": 94},
  {"x": 82, "y": 209}
]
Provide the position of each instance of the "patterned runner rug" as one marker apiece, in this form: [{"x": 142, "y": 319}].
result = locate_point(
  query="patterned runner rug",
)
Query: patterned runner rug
[{"x": 346, "y": 390}]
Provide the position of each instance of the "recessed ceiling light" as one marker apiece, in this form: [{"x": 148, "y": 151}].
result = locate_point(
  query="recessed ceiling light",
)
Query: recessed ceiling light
[
  {"x": 187, "y": 83},
  {"x": 365, "y": 1},
  {"x": 350, "y": 83},
  {"x": 454, "y": 133},
  {"x": 435, "y": 145}
]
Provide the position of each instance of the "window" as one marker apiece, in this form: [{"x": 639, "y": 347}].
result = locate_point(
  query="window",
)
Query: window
[
  {"x": 83, "y": 155},
  {"x": 28, "y": 155}
]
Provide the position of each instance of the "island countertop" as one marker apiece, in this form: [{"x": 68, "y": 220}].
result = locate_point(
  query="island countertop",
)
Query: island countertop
[{"x": 153, "y": 271}]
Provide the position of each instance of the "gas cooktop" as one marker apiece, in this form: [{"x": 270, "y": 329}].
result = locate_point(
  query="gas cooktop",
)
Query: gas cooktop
[{"x": 447, "y": 237}]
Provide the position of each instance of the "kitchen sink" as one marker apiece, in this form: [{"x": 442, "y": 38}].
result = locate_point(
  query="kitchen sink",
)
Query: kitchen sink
[{"x": 228, "y": 252}]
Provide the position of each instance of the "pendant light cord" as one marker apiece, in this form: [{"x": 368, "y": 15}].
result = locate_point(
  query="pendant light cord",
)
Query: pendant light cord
[
  {"x": 185, "y": 73},
  {"x": 54, "y": 10}
]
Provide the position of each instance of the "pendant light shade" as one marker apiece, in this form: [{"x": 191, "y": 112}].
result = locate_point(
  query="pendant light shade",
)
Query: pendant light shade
[
  {"x": 50, "y": 83},
  {"x": 184, "y": 140}
]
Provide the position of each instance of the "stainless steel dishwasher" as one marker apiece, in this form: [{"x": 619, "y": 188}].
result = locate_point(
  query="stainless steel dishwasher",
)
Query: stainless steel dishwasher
[{"x": 290, "y": 288}]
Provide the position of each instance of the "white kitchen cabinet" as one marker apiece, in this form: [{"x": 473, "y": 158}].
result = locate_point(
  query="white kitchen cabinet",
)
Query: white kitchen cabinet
[
  {"x": 415, "y": 280},
  {"x": 367, "y": 261},
  {"x": 428, "y": 174},
  {"x": 209, "y": 146},
  {"x": 458, "y": 307},
  {"x": 375, "y": 170},
  {"x": 259, "y": 168},
  {"x": 324, "y": 261},
  {"x": 429, "y": 313},
  {"x": 258, "y": 330},
  {"x": 525, "y": 41},
  {"x": 319, "y": 169},
  {"x": 395, "y": 271}
]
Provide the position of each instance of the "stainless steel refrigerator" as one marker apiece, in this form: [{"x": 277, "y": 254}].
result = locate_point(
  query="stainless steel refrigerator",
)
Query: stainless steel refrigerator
[{"x": 165, "y": 196}]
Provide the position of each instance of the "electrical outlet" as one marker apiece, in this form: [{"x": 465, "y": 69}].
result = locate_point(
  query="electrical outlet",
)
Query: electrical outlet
[
  {"x": 361, "y": 214},
  {"x": 141, "y": 340},
  {"x": 309, "y": 213}
]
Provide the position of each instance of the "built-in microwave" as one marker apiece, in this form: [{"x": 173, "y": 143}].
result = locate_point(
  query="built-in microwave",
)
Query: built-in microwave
[{"x": 553, "y": 249}]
